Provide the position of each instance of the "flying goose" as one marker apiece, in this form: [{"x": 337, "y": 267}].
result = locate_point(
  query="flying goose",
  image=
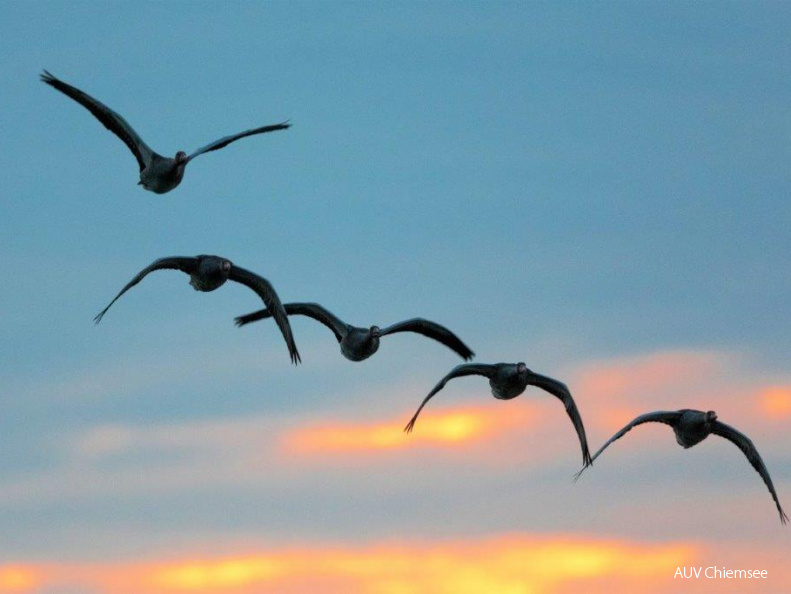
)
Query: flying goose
[
  {"x": 509, "y": 380},
  {"x": 157, "y": 173},
  {"x": 208, "y": 273},
  {"x": 693, "y": 426},
  {"x": 357, "y": 344}
]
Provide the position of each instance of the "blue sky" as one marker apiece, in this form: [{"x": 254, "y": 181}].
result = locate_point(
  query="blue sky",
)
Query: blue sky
[{"x": 559, "y": 184}]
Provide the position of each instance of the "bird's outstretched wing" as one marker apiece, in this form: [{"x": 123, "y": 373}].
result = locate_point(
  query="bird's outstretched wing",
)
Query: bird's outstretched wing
[
  {"x": 459, "y": 371},
  {"x": 432, "y": 330},
  {"x": 223, "y": 142},
  {"x": 185, "y": 264},
  {"x": 668, "y": 417},
  {"x": 266, "y": 292},
  {"x": 561, "y": 391},
  {"x": 747, "y": 447},
  {"x": 311, "y": 310},
  {"x": 111, "y": 120}
]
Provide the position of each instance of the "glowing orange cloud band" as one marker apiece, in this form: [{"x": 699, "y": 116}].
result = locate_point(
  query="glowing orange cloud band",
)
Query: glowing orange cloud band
[
  {"x": 437, "y": 427},
  {"x": 517, "y": 564},
  {"x": 775, "y": 402},
  {"x": 17, "y": 578}
]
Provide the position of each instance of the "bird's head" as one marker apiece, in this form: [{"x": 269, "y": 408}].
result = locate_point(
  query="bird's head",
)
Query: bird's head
[
  {"x": 225, "y": 266},
  {"x": 376, "y": 332},
  {"x": 181, "y": 158},
  {"x": 711, "y": 416},
  {"x": 521, "y": 369}
]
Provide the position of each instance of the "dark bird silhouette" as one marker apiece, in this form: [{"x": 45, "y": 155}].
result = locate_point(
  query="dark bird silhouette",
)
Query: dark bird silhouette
[
  {"x": 693, "y": 426},
  {"x": 357, "y": 344},
  {"x": 208, "y": 273},
  {"x": 509, "y": 380},
  {"x": 157, "y": 173}
]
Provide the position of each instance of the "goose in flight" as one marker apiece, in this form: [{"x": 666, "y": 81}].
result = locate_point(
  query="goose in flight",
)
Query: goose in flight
[
  {"x": 509, "y": 380},
  {"x": 208, "y": 273},
  {"x": 357, "y": 344},
  {"x": 693, "y": 426},
  {"x": 157, "y": 173}
]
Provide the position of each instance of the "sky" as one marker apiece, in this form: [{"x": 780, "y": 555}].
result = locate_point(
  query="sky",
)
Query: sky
[{"x": 598, "y": 190}]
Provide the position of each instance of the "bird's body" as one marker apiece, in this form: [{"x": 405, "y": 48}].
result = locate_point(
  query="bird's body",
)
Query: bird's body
[
  {"x": 509, "y": 380},
  {"x": 693, "y": 426},
  {"x": 158, "y": 174},
  {"x": 209, "y": 273},
  {"x": 162, "y": 174},
  {"x": 358, "y": 343}
]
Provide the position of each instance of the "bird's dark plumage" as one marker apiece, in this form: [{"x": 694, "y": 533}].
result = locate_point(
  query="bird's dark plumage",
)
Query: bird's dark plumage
[
  {"x": 157, "y": 173},
  {"x": 188, "y": 265},
  {"x": 310, "y": 310},
  {"x": 208, "y": 273},
  {"x": 693, "y": 426},
  {"x": 508, "y": 381},
  {"x": 662, "y": 416},
  {"x": 266, "y": 292},
  {"x": 111, "y": 119},
  {"x": 458, "y": 371},
  {"x": 223, "y": 142},
  {"x": 745, "y": 444},
  {"x": 359, "y": 343},
  {"x": 434, "y": 331}
]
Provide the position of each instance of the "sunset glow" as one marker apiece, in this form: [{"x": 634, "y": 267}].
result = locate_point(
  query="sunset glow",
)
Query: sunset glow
[
  {"x": 591, "y": 196},
  {"x": 440, "y": 428},
  {"x": 631, "y": 376},
  {"x": 511, "y": 563},
  {"x": 17, "y": 579},
  {"x": 231, "y": 573},
  {"x": 776, "y": 402}
]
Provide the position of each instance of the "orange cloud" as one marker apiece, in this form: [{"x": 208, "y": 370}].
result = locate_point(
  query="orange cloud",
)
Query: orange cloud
[
  {"x": 520, "y": 564},
  {"x": 775, "y": 402},
  {"x": 438, "y": 428},
  {"x": 14, "y": 578},
  {"x": 625, "y": 387},
  {"x": 507, "y": 564},
  {"x": 632, "y": 377},
  {"x": 227, "y": 573}
]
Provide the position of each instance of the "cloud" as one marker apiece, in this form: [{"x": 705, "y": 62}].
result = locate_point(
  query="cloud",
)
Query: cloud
[
  {"x": 119, "y": 459},
  {"x": 18, "y": 578},
  {"x": 631, "y": 376},
  {"x": 625, "y": 387},
  {"x": 532, "y": 431},
  {"x": 127, "y": 375},
  {"x": 518, "y": 563},
  {"x": 252, "y": 451},
  {"x": 447, "y": 427},
  {"x": 775, "y": 402}
]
